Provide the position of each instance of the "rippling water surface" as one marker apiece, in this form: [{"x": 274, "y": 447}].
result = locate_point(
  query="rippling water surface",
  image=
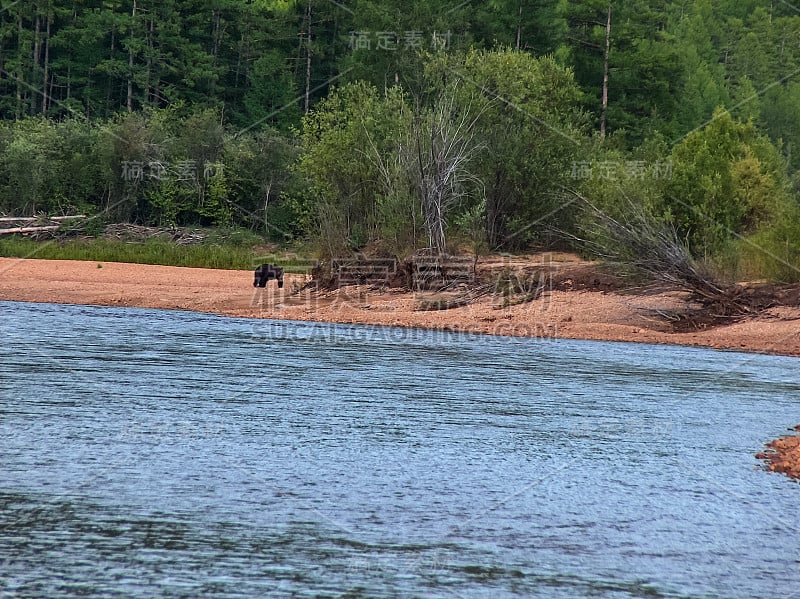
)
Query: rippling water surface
[{"x": 155, "y": 453}]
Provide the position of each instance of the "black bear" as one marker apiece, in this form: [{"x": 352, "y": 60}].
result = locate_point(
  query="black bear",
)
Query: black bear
[{"x": 266, "y": 272}]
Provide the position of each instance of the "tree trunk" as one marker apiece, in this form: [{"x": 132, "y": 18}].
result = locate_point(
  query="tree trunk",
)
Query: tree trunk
[
  {"x": 45, "y": 93},
  {"x": 604, "y": 108},
  {"x": 2, "y": 58},
  {"x": 519, "y": 25},
  {"x": 37, "y": 40},
  {"x": 494, "y": 213},
  {"x": 266, "y": 208},
  {"x": 50, "y": 90},
  {"x": 149, "y": 71},
  {"x": 20, "y": 68},
  {"x": 130, "y": 62},
  {"x": 308, "y": 59},
  {"x": 217, "y": 35},
  {"x": 111, "y": 53},
  {"x": 37, "y": 54},
  {"x": 240, "y": 60}
]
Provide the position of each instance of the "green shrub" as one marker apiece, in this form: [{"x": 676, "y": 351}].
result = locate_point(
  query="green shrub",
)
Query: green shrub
[
  {"x": 728, "y": 180},
  {"x": 773, "y": 253}
]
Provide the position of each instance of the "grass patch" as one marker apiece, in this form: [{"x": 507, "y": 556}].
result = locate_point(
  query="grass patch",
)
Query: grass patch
[{"x": 209, "y": 254}]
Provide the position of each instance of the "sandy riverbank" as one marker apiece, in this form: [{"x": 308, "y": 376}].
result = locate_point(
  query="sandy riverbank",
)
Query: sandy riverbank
[
  {"x": 577, "y": 314},
  {"x": 783, "y": 455}
]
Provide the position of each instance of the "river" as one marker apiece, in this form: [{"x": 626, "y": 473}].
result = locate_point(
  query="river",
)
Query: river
[{"x": 163, "y": 453}]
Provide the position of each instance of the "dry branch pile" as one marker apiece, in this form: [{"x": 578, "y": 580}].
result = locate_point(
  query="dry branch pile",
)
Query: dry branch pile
[
  {"x": 639, "y": 245},
  {"x": 139, "y": 233},
  {"x": 448, "y": 302}
]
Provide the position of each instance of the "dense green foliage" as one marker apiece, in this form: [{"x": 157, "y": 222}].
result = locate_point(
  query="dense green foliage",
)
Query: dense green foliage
[{"x": 410, "y": 124}]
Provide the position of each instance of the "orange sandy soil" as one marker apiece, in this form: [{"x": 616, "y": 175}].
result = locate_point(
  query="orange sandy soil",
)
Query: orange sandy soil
[
  {"x": 783, "y": 455},
  {"x": 599, "y": 315}
]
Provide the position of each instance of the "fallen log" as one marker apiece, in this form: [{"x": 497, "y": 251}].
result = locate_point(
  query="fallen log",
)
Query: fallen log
[
  {"x": 29, "y": 229},
  {"x": 26, "y": 219}
]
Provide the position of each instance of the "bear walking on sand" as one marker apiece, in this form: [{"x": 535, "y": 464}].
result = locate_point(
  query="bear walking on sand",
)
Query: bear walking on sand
[{"x": 265, "y": 273}]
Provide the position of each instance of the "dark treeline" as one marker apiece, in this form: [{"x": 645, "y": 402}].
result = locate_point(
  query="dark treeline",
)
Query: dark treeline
[
  {"x": 97, "y": 58},
  {"x": 670, "y": 62},
  {"x": 309, "y": 118}
]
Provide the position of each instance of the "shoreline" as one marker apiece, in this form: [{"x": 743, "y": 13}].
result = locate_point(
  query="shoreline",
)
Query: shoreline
[
  {"x": 577, "y": 314},
  {"x": 783, "y": 455},
  {"x": 604, "y": 316}
]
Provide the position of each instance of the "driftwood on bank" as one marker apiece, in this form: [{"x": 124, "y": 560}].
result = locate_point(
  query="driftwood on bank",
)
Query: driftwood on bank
[
  {"x": 25, "y": 230},
  {"x": 35, "y": 225},
  {"x": 130, "y": 232},
  {"x": 436, "y": 271},
  {"x": 57, "y": 227},
  {"x": 425, "y": 270},
  {"x": 28, "y": 219},
  {"x": 636, "y": 244},
  {"x": 449, "y": 302}
]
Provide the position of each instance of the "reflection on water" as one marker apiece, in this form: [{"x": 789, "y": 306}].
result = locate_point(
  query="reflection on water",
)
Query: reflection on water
[{"x": 153, "y": 453}]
